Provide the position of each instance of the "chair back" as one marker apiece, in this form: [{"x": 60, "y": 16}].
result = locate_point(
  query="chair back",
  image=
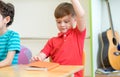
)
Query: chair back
[{"x": 24, "y": 55}]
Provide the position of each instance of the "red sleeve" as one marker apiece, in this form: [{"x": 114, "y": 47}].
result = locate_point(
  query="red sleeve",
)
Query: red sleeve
[
  {"x": 81, "y": 38},
  {"x": 81, "y": 34},
  {"x": 47, "y": 48}
]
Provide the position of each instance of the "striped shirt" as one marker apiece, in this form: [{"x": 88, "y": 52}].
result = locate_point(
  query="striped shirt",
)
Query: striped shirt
[{"x": 10, "y": 41}]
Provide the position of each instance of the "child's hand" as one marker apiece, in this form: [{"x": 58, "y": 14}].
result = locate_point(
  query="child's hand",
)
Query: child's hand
[
  {"x": 40, "y": 57},
  {"x": 36, "y": 58}
]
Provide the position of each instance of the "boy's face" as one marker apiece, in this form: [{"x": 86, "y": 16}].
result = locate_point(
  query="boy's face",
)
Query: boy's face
[
  {"x": 1, "y": 21},
  {"x": 65, "y": 23}
]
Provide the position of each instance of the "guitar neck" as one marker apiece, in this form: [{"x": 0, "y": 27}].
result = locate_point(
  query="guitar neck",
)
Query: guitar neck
[{"x": 110, "y": 17}]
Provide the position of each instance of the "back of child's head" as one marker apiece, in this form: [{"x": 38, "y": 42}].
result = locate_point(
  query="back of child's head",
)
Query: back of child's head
[
  {"x": 64, "y": 9},
  {"x": 7, "y": 9}
]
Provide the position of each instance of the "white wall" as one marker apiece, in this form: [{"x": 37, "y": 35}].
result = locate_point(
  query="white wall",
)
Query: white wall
[
  {"x": 35, "y": 18},
  {"x": 96, "y": 26},
  {"x": 115, "y": 12}
]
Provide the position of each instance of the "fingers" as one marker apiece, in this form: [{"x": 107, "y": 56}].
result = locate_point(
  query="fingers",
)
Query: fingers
[{"x": 35, "y": 58}]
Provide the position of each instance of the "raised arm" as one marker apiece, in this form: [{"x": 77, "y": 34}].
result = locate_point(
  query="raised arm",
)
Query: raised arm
[{"x": 80, "y": 14}]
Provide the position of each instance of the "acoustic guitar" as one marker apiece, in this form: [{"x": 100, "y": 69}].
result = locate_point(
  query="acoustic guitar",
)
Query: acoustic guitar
[{"x": 110, "y": 49}]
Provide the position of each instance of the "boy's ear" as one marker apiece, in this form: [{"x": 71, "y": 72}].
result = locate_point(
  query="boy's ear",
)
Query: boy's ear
[{"x": 7, "y": 19}]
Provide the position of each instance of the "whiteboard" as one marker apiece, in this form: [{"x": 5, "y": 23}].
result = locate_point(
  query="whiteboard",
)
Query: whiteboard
[{"x": 35, "y": 18}]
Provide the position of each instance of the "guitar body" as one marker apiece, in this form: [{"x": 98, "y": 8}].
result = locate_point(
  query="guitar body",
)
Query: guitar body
[
  {"x": 110, "y": 47},
  {"x": 110, "y": 55}
]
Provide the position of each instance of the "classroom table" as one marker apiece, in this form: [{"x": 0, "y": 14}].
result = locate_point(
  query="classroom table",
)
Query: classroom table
[{"x": 20, "y": 71}]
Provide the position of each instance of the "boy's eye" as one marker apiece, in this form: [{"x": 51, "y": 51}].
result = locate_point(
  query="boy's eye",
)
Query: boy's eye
[
  {"x": 67, "y": 21},
  {"x": 58, "y": 21}
]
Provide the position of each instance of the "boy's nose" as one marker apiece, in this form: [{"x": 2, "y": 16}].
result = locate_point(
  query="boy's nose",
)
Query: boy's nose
[{"x": 62, "y": 24}]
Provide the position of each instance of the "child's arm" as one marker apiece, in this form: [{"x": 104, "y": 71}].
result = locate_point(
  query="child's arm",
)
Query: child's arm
[
  {"x": 8, "y": 60},
  {"x": 80, "y": 14},
  {"x": 40, "y": 57}
]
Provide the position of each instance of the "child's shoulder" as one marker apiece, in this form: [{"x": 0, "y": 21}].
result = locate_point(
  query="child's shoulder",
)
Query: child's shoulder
[
  {"x": 53, "y": 38},
  {"x": 12, "y": 33}
]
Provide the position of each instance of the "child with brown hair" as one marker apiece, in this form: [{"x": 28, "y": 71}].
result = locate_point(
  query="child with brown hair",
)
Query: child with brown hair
[{"x": 67, "y": 48}]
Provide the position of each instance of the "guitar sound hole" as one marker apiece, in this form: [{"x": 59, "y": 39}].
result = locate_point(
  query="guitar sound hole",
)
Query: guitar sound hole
[{"x": 114, "y": 41}]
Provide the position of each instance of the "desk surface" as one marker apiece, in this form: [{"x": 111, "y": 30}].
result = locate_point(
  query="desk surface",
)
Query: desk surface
[{"x": 19, "y": 71}]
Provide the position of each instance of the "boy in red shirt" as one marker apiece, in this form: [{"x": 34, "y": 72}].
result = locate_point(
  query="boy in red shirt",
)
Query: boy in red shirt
[{"x": 67, "y": 47}]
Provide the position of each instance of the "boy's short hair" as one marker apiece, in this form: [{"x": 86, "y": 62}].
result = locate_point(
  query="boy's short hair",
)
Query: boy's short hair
[
  {"x": 64, "y": 9},
  {"x": 7, "y": 9}
]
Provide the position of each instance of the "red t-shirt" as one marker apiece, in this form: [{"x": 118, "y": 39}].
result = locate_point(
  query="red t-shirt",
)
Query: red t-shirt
[{"x": 66, "y": 48}]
